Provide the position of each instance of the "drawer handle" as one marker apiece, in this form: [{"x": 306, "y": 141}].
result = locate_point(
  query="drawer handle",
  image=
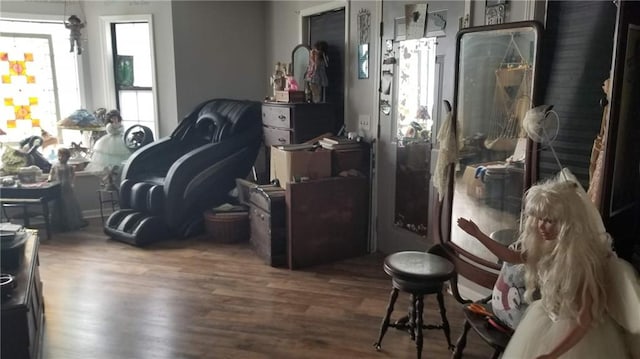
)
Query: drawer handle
[
  {"x": 281, "y": 140},
  {"x": 282, "y": 117},
  {"x": 262, "y": 216}
]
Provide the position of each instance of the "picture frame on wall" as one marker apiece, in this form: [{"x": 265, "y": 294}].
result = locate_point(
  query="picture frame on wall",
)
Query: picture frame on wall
[
  {"x": 436, "y": 23},
  {"x": 363, "y": 61},
  {"x": 124, "y": 71},
  {"x": 416, "y": 20}
]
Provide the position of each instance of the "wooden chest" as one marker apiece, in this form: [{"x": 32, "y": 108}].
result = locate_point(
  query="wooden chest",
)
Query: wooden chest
[{"x": 268, "y": 224}]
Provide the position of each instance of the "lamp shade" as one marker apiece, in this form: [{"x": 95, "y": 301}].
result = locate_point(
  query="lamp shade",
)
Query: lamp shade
[{"x": 81, "y": 120}]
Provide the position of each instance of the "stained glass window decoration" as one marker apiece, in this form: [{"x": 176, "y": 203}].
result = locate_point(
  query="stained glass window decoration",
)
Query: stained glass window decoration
[
  {"x": 28, "y": 86},
  {"x": 58, "y": 68}
]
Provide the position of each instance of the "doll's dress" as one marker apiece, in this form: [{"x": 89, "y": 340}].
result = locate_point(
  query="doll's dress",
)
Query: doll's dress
[
  {"x": 316, "y": 72},
  {"x": 616, "y": 336},
  {"x": 109, "y": 150},
  {"x": 67, "y": 214}
]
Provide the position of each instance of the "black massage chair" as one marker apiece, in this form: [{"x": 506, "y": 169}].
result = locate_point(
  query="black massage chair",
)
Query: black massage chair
[{"x": 168, "y": 184}]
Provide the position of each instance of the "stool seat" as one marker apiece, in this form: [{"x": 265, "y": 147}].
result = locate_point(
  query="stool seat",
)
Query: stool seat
[
  {"x": 419, "y": 274},
  {"x": 418, "y": 266}
]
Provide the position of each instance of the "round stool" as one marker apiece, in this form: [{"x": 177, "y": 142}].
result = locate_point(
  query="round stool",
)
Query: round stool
[{"x": 419, "y": 274}]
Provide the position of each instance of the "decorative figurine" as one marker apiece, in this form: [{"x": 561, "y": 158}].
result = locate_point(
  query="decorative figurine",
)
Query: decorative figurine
[
  {"x": 316, "y": 75},
  {"x": 67, "y": 215},
  {"x": 74, "y": 24},
  {"x": 110, "y": 149},
  {"x": 589, "y": 297},
  {"x": 279, "y": 78}
]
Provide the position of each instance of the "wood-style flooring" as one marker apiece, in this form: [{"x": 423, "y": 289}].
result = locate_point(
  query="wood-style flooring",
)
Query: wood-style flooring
[{"x": 199, "y": 299}]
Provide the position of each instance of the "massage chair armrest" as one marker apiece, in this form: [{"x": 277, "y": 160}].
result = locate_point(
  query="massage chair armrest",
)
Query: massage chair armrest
[
  {"x": 190, "y": 166},
  {"x": 146, "y": 159}
]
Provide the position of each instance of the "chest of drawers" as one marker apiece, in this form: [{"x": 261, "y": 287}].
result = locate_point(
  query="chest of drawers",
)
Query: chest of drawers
[{"x": 287, "y": 123}]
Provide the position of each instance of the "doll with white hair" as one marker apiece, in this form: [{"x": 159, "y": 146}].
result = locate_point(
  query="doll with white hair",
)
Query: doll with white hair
[{"x": 590, "y": 299}]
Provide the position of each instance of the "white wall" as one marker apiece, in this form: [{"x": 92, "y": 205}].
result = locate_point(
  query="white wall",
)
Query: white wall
[{"x": 219, "y": 51}]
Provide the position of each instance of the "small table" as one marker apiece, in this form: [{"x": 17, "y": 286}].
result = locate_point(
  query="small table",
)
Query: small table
[{"x": 29, "y": 194}]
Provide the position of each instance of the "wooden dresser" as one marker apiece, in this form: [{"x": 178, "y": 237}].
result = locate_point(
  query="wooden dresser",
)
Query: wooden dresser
[
  {"x": 23, "y": 312},
  {"x": 286, "y": 123}
]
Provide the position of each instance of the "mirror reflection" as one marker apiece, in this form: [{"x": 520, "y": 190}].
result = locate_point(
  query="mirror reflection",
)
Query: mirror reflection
[
  {"x": 494, "y": 90},
  {"x": 416, "y": 61},
  {"x": 299, "y": 63}
]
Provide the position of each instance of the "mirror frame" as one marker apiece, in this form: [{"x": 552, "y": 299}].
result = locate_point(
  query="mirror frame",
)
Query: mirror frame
[
  {"x": 293, "y": 61},
  {"x": 443, "y": 224}
]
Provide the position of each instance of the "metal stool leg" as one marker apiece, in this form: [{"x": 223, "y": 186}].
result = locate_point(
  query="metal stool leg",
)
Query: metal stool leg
[{"x": 387, "y": 317}]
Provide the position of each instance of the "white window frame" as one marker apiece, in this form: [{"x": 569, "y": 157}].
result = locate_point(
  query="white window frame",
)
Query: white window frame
[{"x": 108, "y": 76}]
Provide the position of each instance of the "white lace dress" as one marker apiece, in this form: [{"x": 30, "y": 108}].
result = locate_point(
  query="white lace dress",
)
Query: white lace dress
[
  {"x": 109, "y": 150},
  {"x": 617, "y": 336}
]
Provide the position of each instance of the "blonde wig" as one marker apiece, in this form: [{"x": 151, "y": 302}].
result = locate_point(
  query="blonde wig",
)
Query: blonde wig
[{"x": 572, "y": 266}]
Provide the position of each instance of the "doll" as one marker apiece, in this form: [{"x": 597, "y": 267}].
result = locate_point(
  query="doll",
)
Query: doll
[
  {"x": 110, "y": 149},
  {"x": 589, "y": 298},
  {"x": 316, "y": 74},
  {"x": 74, "y": 24},
  {"x": 66, "y": 215},
  {"x": 278, "y": 78}
]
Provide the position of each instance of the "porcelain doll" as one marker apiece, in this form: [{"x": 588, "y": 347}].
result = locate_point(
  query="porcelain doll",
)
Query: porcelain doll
[
  {"x": 316, "y": 74},
  {"x": 66, "y": 215},
  {"x": 74, "y": 24},
  {"x": 110, "y": 149},
  {"x": 590, "y": 299}
]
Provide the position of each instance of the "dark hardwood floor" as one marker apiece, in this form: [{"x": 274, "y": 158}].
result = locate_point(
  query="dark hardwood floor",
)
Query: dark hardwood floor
[{"x": 198, "y": 299}]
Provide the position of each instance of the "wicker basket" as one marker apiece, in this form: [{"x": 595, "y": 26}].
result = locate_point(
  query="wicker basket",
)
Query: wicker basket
[{"x": 227, "y": 227}]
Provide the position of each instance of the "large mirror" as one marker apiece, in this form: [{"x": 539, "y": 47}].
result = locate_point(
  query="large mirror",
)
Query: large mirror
[
  {"x": 494, "y": 89},
  {"x": 413, "y": 122},
  {"x": 299, "y": 63}
]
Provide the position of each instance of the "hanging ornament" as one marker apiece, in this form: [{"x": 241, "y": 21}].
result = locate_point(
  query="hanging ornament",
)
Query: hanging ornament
[{"x": 74, "y": 24}]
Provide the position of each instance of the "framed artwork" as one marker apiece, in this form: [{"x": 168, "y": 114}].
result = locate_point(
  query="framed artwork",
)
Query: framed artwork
[
  {"x": 124, "y": 70},
  {"x": 363, "y": 61},
  {"x": 436, "y": 23},
  {"x": 399, "y": 29},
  {"x": 416, "y": 20},
  {"x": 494, "y": 11},
  {"x": 364, "y": 24}
]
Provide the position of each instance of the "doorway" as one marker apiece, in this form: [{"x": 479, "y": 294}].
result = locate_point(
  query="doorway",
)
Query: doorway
[{"x": 330, "y": 27}]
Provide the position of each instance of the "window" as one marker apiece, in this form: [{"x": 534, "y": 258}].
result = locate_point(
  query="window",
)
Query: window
[
  {"x": 127, "y": 45},
  {"x": 40, "y": 79},
  {"x": 133, "y": 73}
]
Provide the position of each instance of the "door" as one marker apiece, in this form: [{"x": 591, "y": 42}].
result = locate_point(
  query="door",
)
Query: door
[
  {"x": 414, "y": 74},
  {"x": 329, "y": 27}
]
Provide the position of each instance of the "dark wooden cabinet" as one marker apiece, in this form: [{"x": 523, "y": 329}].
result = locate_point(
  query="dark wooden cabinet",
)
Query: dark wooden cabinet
[
  {"x": 287, "y": 123},
  {"x": 328, "y": 220},
  {"x": 23, "y": 312}
]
